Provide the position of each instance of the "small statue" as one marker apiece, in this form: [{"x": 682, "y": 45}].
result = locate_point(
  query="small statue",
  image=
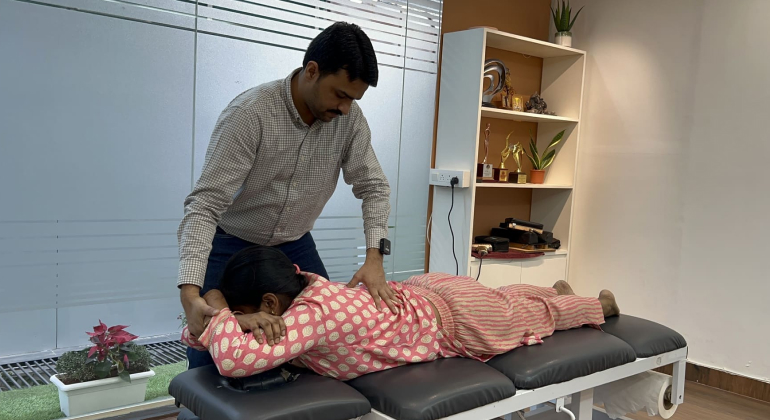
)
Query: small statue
[
  {"x": 484, "y": 170},
  {"x": 516, "y": 151},
  {"x": 508, "y": 92},
  {"x": 486, "y": 143},
  {"x": 518, "y": 176},
  {"x": 536, "y": 104},
  {"x": 505, "y": 154},
  {"x": 501, "y": 174},
  {"x": 492, "y": 68}
]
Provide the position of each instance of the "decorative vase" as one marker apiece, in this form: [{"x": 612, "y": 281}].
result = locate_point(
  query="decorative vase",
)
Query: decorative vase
[
  {"x": 563, "y": 38},
  {"x": 537, "y": 176},
  {"x": 102, "y": 394}
]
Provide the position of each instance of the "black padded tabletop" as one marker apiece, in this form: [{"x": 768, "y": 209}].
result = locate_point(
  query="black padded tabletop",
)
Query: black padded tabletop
[
  {"x": 647, "y": 338},
  {"x": 433, "y": 390},
  {"x": 310, "y": 397},
  {"x": 564, "y": 356}
]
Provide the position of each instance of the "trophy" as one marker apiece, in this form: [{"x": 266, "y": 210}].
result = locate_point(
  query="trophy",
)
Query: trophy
[
  {"x": 484, "y": 170},
  {"x": 493, "y": 67},
  {"x": 517, "y": 177},
  {"x": 501, "y": 174}
]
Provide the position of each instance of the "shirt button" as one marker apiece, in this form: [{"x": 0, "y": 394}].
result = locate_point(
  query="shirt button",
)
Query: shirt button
[
  {"x": 295, "y": 184},
  {"x": 279, "y": 229}
]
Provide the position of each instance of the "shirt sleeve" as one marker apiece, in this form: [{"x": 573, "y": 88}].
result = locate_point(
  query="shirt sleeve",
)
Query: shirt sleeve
[
  {"x": 229, "y": 160},
  {"x": 238, "y": 354},
  {"x": 361, "y": 169}
]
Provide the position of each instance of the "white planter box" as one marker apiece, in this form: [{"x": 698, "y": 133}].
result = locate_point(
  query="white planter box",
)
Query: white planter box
[{"x": 102, "y": 394}]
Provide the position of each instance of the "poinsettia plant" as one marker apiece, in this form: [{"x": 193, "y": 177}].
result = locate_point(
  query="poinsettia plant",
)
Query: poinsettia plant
[{"x": 111, "y": 350}]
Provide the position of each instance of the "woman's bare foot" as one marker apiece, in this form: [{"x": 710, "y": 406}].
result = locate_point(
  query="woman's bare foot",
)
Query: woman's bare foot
[
  {"x": 563, "y": 288},
  {"x": 609, "y": 304}
]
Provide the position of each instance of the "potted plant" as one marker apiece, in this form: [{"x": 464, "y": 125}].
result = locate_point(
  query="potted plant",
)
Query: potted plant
[
  {"x": 539, "y": 164},
  {"x": 112, "y": 373},
  {"x": 561, "y": 18}
]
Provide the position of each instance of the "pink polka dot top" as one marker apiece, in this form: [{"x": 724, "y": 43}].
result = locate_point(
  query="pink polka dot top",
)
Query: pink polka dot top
[{"x": 335, "y": 331}]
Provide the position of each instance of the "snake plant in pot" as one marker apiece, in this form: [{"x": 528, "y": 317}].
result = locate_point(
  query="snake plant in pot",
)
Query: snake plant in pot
[
  {"x": 563, "y": 20},
  {"x": 541, "y": 162}
]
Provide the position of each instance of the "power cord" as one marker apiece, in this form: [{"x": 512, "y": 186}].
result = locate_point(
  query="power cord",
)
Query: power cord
[
  {"x": 452, "y": 183},
  {"x": 482, "y": 251}
]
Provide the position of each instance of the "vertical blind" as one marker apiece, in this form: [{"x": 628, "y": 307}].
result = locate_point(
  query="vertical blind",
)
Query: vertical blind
[{"x": 106, "y": 108}]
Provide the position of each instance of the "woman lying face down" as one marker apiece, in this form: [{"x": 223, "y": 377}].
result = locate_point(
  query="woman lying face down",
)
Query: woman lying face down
[{"x": 337, "y": 331}]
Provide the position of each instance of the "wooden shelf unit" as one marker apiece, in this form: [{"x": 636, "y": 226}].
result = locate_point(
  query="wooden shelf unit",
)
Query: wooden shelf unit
[{"x": 460, "y": 143}]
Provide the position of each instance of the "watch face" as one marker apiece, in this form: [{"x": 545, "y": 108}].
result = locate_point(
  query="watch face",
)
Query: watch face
[{"x": 384, "y": 246}]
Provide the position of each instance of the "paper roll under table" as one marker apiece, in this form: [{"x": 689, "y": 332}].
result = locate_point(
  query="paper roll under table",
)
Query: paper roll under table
[{"x": 650, "y": 391}]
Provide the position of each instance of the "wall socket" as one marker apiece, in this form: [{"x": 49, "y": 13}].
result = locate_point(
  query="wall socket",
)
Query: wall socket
[{"x": 443, "y": 178}]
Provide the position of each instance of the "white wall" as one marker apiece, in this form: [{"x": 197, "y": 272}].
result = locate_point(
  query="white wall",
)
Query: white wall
[{"x": 672, "y": 202}]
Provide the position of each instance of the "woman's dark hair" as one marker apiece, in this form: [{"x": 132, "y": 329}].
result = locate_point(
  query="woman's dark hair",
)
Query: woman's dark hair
[
  {"x": 344, "y": 46},
  {"x": 254, "y": 271}
]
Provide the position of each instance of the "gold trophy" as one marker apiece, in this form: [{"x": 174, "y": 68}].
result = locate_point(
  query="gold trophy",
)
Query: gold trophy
[
  {"x": 501, "y": 175},
  {"x": 484, "y": 170},
  {"x": 517, "y": 177}
]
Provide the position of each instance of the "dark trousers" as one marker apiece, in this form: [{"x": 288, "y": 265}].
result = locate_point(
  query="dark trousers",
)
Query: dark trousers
[{"x": 301, "y": 252}]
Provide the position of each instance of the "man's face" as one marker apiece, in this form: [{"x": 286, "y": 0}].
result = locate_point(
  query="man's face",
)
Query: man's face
[{"x": 331, "y": 96}]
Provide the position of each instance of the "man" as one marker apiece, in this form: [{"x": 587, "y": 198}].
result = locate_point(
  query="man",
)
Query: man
[{"x": 273, "y": 162}]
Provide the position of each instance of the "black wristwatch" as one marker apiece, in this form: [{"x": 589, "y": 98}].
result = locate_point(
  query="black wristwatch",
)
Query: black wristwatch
[{"x": 384, "y": 246}]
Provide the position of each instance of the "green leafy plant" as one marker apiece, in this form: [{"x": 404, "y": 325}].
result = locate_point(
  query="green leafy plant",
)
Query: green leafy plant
[
  {"x": 538, "y": 162},
  {"x": 110, "y": 350},
  {"x": 72, "y": 366},
  {"x": 183, "y": 319},
  {"x": 561, "y": 17},
  {"x": 113, "y": 354}
]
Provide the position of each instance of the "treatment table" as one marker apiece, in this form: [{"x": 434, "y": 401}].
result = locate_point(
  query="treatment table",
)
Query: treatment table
[{"x": 568, "y": 364}]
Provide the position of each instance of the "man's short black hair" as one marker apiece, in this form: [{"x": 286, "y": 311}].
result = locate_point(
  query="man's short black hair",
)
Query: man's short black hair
[{"x": 344, "y": 46}]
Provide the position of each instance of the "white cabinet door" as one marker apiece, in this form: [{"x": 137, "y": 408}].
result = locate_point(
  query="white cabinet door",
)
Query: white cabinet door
[
  {"x": 543, "y": 271},
  {"x": 496, "y": 273}
]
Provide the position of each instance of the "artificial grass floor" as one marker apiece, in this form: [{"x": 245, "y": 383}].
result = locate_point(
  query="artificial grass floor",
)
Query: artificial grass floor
[{"x": 42, "y": 402}]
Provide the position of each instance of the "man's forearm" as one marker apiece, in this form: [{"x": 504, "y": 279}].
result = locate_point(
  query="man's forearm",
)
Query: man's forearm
[
  {"x": 187, "y": 291},
  {"x": 215, "y": 299}
]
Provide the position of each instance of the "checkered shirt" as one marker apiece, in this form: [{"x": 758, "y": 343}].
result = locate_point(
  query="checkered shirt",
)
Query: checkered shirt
[{"x": 268, "y": 175}]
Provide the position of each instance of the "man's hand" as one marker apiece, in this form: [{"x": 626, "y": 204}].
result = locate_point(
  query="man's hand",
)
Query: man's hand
[
  {"x": 195, "y": 308},
  {"x": 272, "y": 325},
  {"x": 372, "y": 275}
]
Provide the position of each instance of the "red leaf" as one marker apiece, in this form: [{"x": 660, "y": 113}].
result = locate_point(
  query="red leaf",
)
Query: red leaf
[
  {"x": 101, "y": 328},
  {"x": 117, "y": 328},
  {"x": 92, "y": 351},
  {"x": 125, "y": 360},
  {"x": 124, "y": 337}
]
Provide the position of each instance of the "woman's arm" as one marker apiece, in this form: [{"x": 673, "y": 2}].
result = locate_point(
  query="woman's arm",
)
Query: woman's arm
[{"x": 238, "y": 354}]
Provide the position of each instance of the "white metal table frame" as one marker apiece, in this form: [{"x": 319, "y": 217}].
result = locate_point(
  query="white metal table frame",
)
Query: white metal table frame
[{"x": 581, "y": 389}]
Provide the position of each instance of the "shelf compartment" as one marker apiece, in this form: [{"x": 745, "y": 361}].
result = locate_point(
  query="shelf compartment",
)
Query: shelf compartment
[
  {"x": 528, "y": 46},
  {"x": 504, "y": 114},
  {"x": 523, "y": 186}
]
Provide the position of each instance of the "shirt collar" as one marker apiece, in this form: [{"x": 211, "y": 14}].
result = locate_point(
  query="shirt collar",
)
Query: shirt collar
[{"x": 286, "y": 92}]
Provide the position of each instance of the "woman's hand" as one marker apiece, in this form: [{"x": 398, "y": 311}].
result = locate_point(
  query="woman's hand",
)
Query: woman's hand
[{"x": 273, "y": 326}]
